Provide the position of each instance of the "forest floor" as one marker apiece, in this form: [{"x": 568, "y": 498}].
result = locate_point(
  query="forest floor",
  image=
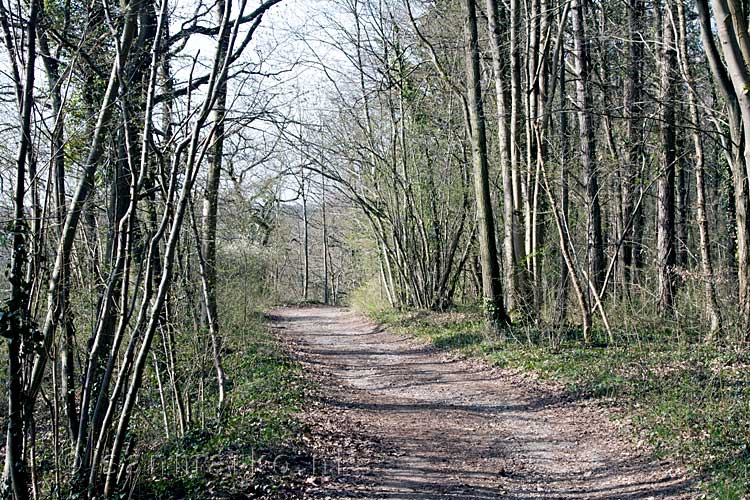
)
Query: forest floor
[{"x": 426, "y": 424}]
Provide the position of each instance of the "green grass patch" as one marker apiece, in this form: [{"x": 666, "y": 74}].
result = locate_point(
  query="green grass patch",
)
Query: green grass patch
[
  {"x": 690, "y": 400},
  {"x": 256, "y": 450}
]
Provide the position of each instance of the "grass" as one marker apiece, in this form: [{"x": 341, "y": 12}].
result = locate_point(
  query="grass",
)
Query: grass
[
  {"x": 257, "y": 449},
  {"x": 690, "y": 400}
]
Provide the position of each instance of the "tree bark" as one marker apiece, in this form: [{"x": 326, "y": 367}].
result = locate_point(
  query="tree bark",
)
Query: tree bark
[
  {"x": 562, "y": 293},
  {"x": 15, "y": 321},
  {"x": 513, "y": 272},
  {"x": 210, "y": 317},
  {"x": 712, "y": 304},
  {"x": 519, "y": 224},
  {"x": 492, "y": 292},
  {"x": 665, "y": 236},
  {"x": 587, "y": 151},
  {"x": 734, "y": 46},
  {"x": 632, "y": 144}
]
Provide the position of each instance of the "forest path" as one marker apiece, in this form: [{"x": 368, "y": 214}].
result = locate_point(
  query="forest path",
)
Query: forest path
[{"x": 457, "y": 429}]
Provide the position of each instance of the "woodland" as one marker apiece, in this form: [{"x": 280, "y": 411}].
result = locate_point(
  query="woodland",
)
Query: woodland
[{"x": 565, "y": 181}]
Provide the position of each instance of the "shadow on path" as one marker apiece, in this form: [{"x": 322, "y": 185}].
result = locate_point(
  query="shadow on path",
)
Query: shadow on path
[{"x": 461, "y": 432}]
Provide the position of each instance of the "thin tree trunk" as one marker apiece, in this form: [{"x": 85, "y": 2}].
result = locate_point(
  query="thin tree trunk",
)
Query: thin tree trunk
[
  {"x": 162, "y": 399},
  {"x": 510, "y": 218},
  {"x": 565, "y": 246},
  {"x": 562, "y": 294},
  {"x": 712, "y": 305},
  {"x": 15, "y": 322},
  {"x": 683, "y": 212},
  {"x": 306, "y": 241},
  {"x": 734, "y": 46},
  {"x": 210, "y": 209},
  {"x": 665, "y": 236},
  {"x": 587, "y": 150},
  {"x": 515, "y": 153},
  {"x": 630, "y": 253},
  {"x": 326, "y": 262},
  {"x": 493, "y": 300}
]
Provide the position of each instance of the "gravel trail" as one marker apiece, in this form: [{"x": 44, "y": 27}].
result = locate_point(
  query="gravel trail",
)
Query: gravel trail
[{"x": 457, "y": 429}]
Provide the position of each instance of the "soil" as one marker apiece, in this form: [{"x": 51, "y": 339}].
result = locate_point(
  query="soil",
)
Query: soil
[{"x": 421, "y": 424}]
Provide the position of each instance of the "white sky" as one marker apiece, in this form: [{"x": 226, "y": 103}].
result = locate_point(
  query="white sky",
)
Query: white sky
[{"x": 278, "y": 42}]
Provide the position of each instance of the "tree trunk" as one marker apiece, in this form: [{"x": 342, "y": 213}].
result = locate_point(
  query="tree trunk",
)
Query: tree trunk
[
  {"x": 519, "y": 248},
  {"x": 511, "y": 268},
  {"x": 326, "y": 263},
  {"x": 210, "y": 208},
  {"x": 587, "y": 150},
  {"x": 306, "y": 241},
  {"x": 712, "y": 304},
  {"x": 492, "y": 292},
  {"x": 15, "y": 322},
  {"x": 562, "y": 293},
  {"x": 665, "y": 236},
  {"x": 734, "y": 43}
]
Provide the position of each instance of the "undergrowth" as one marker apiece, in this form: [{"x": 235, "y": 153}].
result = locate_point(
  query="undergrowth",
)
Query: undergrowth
[
  {"x": 255, "y": 450},
  {"x": 690, "y": 400}
]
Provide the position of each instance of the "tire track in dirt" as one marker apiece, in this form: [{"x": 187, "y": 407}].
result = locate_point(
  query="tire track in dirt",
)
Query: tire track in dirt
[{"x": 459, "y": 430}]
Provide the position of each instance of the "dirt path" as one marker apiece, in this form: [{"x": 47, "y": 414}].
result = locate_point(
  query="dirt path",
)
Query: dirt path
[{"x": 459, "y": 430}]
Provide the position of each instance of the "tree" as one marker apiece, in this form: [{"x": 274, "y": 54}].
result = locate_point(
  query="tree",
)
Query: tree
[
  {"x": 712, "y": 305},
  {"x": 511, "y": 267},
  {"x": 587, "y": 148},
  {"x": 493, "y": 301},
  {"x": 732, "y": 79},
  {"x": 16, "y": 325},
  {"x": 210, "y": 317},
  {"x": 665, "y": 245}
]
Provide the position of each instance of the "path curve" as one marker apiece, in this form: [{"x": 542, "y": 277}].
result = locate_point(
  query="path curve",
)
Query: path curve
[{"x": 457, "y": 429}]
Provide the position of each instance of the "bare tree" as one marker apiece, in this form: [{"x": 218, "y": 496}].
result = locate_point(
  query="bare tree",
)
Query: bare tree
[
  {"x": 665, "y": 245},
  {"x": 587, "y": 150},
  {"x": 493, "y": 301}
]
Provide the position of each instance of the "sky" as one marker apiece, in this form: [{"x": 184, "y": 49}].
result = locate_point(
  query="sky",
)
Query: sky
[
  {"x": 289, "y": 35},
  {"x": 291, "y": 42}
]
